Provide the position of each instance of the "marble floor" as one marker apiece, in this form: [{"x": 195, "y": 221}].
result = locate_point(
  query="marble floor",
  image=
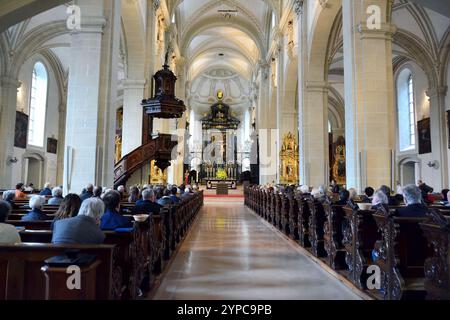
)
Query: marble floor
[{"x": 231, "y": 254}]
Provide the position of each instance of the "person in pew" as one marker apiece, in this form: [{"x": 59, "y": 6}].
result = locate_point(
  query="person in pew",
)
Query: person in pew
[
  {"x": 344, "y": 196},
  {"x": 392, "y": 200},
  {"x": 112, "y": 219},
  {"x": 148, "y": 204},
  {"x": 166, "y": 199},
  {"x": 8, "y": 233},
  {"x": 69, "y": 208},
  {"x": 47, "y": 191},
  {"x": 368, "y": 195},
  {"x": 121, "y": 190},
  {"x": 353, "y": 195},
  {"x": 448, "y": 197},
  {"x": 414, "y": 205},
  {"x": 174, "y": 197},
  {"x": 424, "y": 189},
  {"x": 444, "y": 194},
  {"x": 187, "y": 194},
  {"x": 19, "y": 192},
  {"x": 9, "y": 196},
  {"x": 57, "y": 197},
  {"x": 29, "y": 188},
  {"x": 98, "y": 192},
  {"x": 379, "y": 199},
  {"x": 84, "y": 228},
  {"x": 134, "y": 195},
  {"x": 89, "y": 192},
  {"x": 36, "y": 214}
]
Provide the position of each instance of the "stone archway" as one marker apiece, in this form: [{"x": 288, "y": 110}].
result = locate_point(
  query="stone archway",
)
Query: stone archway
[{"x": 34, "y": 168}]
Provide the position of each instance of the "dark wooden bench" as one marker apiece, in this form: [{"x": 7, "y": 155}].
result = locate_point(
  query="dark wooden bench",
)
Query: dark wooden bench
[
  {"x": 317, "y": 220},
  {"x": 437, "y": 264},
  {"x": 360, "y": 234},
  {"x": 21, "y": 277},
  {"x": 303, "y": 221},
  {"x": 402, "y": 251},
  {"x": 333, "y": 235}
]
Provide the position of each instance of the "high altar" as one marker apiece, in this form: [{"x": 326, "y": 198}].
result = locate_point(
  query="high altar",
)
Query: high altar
[{"x": 219, "y": 157}]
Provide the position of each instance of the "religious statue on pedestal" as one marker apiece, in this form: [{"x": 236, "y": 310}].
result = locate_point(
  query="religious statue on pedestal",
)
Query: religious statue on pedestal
[
  {"x": 289, "y": 160},
  {"x": 118, "y": 148}
]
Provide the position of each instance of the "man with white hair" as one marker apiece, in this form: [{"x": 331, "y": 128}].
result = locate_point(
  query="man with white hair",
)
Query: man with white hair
[
  {"x": 379, "y": 199},
  {"x": 57, "y": 197},
  {"x": 36, "y": 204},
  {"x": 304, "y": 189},
  {"x": 84, "y": 228},
  {"x": 413, "y": 200},
  {"x": 148, "y": 204},
  {"x": 47, "y": 191},
  {"x": 187, "y": 193},
  {"x": 89, "y": 192},
  {"x": 121, "y": 190}
]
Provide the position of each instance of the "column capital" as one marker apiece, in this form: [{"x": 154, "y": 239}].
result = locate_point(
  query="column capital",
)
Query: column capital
[
  {"x": 91, "y": 24},
  {"x": 134, "y": 84},
  {"x": 156, "y": 5},
  {"x": 317, "y": 86},
  {"x": 8, "y": 82},
  {"x": 439, "y": 91},
  {"x": 385, "y": 32},
  {"x": 298, "y": 7}
]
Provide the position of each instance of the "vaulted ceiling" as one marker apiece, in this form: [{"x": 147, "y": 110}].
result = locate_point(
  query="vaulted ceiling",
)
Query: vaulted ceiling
[{"x": 222, "y": 41}]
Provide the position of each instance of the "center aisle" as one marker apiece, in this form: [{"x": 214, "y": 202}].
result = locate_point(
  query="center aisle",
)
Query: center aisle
[{"x": 231, "y": 254}]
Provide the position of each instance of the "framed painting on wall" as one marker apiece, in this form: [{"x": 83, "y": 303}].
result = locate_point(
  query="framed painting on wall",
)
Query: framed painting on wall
[
  {"x": 424, "y": 131},
  {"x": 52, "y": 145},
  {"x": 21, "y": 130}
]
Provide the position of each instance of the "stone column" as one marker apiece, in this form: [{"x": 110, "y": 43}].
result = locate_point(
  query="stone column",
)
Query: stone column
[
  {"x": 302, "y": 62},
  {"x": 266, "y": 133},
  {"x": 61, "y": 140},
  {"x": 369, "y": 95},
  {"x": 439, "y": 143},
  {"x": 92, "y": 90},
  {"x": 133, "y": 93},
  {"x": 8, "y": 101},
  {"x": 315, "y": 134}
]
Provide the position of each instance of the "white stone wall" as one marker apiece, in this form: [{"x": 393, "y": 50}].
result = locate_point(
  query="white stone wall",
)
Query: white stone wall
[{"x": 51, "y": 124}]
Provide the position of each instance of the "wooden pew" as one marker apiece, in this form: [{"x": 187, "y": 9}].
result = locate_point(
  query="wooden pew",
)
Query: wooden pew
[
  {"x": 293, "y": 217},
  {"x": 317, "y": 220},
  {"x": 303, "y": 221},
  {"x": 402, "y": 252},
  {"x": 32, "y": 225},
  {"x": 360, "y": 234},
  {"x": 284, "y": 214},
  {"x": 437, "y": 265},
  {"x": 21, "y": 277},
  {"x": 133, "y": 254},
  {"x": 333, "y": 235}
]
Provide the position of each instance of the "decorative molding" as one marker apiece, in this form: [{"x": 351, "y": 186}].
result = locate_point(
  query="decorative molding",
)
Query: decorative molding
[
  {"x": 156, "y": 5},
  {"x": 386, "y": 32},
  {"x": 298, "y": 7},
  {"x": 133, "y": 84},
  {"x": 7, "y": 82}
]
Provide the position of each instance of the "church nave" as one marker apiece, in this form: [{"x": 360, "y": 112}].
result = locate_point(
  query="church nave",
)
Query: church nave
[{"x": 231, "y": 254}]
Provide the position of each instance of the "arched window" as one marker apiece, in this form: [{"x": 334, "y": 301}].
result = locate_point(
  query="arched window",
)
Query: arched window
[
  {"x": 406, "y": 111},
  {"x": 274, "y": 21},
  {"x": 330, "y": 128},
  {"x": 412, "y": 115},
  {"x": 38, "y": 105}
]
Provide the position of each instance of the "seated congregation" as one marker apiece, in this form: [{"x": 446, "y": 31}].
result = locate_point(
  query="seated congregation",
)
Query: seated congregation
[
  {"x": 129, "y": 238},
  {"x": 390, "y": 245}
]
